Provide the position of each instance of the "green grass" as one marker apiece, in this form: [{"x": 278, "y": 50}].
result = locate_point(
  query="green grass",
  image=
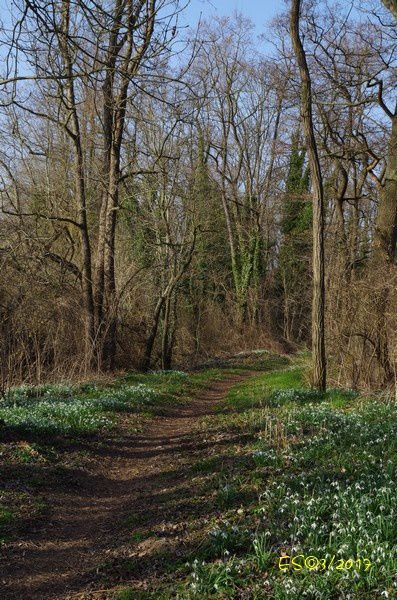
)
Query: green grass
[
  {"x": 320, "y": 478},
  {"x": 66, "y": 410},
  {"x": 297, "y": 472},
  {"x": 140, "y": 536},
  {"x": 259, "y": 389},
  {"x": 43, "y": 429}
]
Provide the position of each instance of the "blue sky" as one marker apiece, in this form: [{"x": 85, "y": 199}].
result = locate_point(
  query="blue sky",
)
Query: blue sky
[{"x": 259, "y": 11}]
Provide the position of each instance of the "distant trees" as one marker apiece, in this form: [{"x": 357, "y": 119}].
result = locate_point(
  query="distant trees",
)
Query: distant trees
[
  {"x": 385, "y": 240},
  {"x": 243, "y": 117},
  {"x": 157, "y": 208},
  {"x": 386, "y": 223}
]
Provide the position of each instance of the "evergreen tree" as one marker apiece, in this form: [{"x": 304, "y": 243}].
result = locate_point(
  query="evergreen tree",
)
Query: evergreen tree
[{"x": 296, "y": 227}]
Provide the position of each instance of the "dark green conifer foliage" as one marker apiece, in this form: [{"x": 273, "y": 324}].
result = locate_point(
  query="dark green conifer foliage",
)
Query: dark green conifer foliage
[
  {"x": 211, "y": 257},
  {"x": 296, "y": 227},
  {"x": 209, "y": 270}
]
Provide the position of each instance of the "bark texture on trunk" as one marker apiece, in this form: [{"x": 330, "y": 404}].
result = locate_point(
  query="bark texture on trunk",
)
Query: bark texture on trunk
[
  {"x": 124, "y": 59},
  {"x": 386, "y": 225},
  {"x": 318, "y": 306},
  {"x": 80, "y": 187},
  {"x": 384, "y": 257}
]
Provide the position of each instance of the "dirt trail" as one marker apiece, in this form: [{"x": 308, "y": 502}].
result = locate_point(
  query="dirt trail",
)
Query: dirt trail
[{"x": 141, "y": 477}]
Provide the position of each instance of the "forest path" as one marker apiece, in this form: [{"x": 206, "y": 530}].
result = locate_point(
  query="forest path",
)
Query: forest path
[{"x": 95, "y": 521}]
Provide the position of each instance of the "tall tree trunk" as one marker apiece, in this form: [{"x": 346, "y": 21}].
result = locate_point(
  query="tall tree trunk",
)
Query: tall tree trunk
[
  {"x": 107, "y": 127},
  {"x": 168, "y": 333},
  {"x": 386, "y": 238},
  {"x": 147, "y": 357},
  {"x": 113, "y": 129},
  {"x": 318, "y": 306},
  {"x": 109, "y": 300},
  {"x": 386, "y": 224},
  {"x": 80, "y": 188},
  {"x": 384, "y": 256},
  {"x": 124, "y": 59}
]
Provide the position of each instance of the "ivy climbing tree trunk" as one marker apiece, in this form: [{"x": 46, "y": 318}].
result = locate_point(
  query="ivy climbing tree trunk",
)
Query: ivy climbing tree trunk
[{"x": 318, "y": 305}]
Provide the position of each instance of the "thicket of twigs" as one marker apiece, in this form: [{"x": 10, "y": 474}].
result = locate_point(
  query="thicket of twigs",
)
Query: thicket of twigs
[{"x": 156, "y": 194}]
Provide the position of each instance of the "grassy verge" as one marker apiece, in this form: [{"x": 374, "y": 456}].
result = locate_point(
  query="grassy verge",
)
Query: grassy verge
[
  {"x": 303, "y": 474},
  {"x": 67, "y": 410},
  {"x": 49, "y": 431}
]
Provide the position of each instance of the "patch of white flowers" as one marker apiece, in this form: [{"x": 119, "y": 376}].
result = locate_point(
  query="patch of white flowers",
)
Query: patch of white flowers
[
  {"x": 305, "y": 396},
  {"x": 340, "y": 497},
  {"x": 227, "y": 537},
  {"x": 25, "y": 394},
  {"x": 300, "y": 396},
  {"x": 268, "y": 457},
  {"x": 50, "y": 417},
  {"x": 56, "y": 411},
  {"x": 329, "y": 490},
  {"x": 126, "y": 396},
  {"x": 171, "y": 374}
]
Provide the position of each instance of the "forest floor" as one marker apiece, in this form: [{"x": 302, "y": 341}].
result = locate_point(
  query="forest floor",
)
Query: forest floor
[
  {"x": 94, "y": 504},
  {"x": 193, "y": 486}
]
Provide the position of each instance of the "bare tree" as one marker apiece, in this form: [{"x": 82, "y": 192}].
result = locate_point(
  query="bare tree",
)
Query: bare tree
[
  {"x": 79, "y": 54},
  {"x": 318, "y": 307}
]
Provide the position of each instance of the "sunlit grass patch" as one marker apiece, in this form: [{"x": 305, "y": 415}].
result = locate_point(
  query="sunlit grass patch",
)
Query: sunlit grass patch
[
  {"x": 258, "y": 390},
  {"x": 173, "y": 386},
  {"x": 325, "y": 469}
]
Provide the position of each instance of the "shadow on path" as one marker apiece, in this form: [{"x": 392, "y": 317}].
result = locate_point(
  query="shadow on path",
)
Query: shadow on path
[{"x": 133, "y": 481}]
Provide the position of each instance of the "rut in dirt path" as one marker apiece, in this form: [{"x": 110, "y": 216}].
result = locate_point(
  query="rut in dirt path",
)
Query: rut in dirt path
[{"x": 141, "y": 477}]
